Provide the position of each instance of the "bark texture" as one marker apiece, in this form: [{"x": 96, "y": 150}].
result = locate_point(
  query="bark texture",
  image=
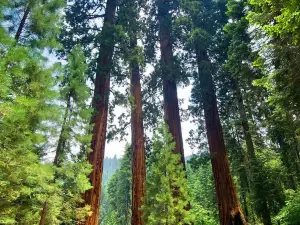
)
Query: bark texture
[
  {"x": 22, "y": 23},
  {"x": 171, "y": 107},
  {"x": 229, "y": 208},
  {"x": 137, "y": 141},
  {"x": 99, "y": 119}
]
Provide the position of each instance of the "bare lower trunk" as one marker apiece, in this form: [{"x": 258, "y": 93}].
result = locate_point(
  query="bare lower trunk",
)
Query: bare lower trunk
[
  {"x": 99, "y": 119},
  {"x": 137, "y": 141},
  {"x": 22, "y": 23},
  {"x": 229, "y": 208}
]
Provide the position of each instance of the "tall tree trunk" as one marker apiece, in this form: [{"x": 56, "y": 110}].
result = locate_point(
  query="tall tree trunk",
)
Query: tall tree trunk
[
  {"x": 22, "y": 23},
  {"x": 99, "y": 119},
  {"x": 171, "y": 106},
  {"x": 255, "y": 178},
  {"x": 137, "y": 141},
  {"x": 229, "y": 208}
]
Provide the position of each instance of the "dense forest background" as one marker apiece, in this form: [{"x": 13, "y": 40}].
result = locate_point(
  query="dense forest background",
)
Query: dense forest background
[{"x": 76, "y": 74}]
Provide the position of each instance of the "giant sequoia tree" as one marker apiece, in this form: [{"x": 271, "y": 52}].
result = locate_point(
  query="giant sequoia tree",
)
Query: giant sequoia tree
[
  {"x": 128, "y": 17},
  {"x": 241, "y": 60},
  {"x": 165, "y": 17},
  {"x": 100, "y": 105},
  {"x": 229, "y": 209}
]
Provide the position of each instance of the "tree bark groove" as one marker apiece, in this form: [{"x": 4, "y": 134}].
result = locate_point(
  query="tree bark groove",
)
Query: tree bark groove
[{"x": 99, "y": 119}]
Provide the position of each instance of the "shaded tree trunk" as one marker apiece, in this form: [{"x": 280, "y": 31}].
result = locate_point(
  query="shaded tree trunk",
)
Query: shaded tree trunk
[
  {"x": 22, "y": 23},
  {"x": 286, "y": 162},
  {"x": 229, "y": 208},
  {"x": 137, "y": 142},
  {"x": 43, "y": 214},
  {"x": 256, "y": 181},
  {"x": 99, "y": 118},
  {"x": 62, "y": 139},
  {"x": 171, "y": 106}
]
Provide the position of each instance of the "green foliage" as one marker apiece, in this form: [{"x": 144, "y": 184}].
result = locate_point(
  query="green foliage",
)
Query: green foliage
[
  {"x": 201, "y": 187},
  {"x": 166, "y": 185},
  {"x": 289, "y": 215}
]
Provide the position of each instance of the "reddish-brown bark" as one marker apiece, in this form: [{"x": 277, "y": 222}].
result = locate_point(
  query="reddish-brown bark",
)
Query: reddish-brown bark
[
  {"x": 137, "y": 141},
  {"x": 99, "y": 119},
  {"x": 229, "y": 209},
  {"x": 171, "y": 106}
]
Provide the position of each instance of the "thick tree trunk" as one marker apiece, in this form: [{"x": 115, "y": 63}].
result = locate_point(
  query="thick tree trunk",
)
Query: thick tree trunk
[
  {"x": 229, "y": 208},
  {"x": 22, "y": 23},
  {"x": 137, "y": 141},
  {"x": 255, "y": 179},
  {"x": 171, "y": 106},
  {"x": 99, "y": 119}
]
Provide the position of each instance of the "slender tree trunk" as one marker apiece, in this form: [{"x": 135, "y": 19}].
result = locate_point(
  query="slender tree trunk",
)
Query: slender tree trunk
[
  {"x": 286, "y": 161},
  {"x": 137, "y": 141},
  {"x": 58, "y": 153},
  {"x": 99, "y": 119},
  {"x": 22, "y": 23},
  {"x": 255, "y": 177},
  {"x": 229, "y": 208},
  {"x": 62, "y": 140},
  {"x": 171, "y": 106},
  {"x": 43, "y": 214}
]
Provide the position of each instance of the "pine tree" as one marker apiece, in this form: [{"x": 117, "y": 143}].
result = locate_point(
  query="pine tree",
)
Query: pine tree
[{"x": 165, "y": 177}]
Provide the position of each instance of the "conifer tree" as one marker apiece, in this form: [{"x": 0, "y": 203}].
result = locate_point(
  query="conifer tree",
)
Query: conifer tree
[
  {"x": 74, "y": 94},
  {"x": 100, "y": 106},
  {"x": 203, "y": 27},
  {"x": 165, "y": 174},
  {"x": 34, "y": 22},
  {"x": 238, "y": 54},
  {"x": 165, "y": 10},
  {"x": 128, "y": 15}
]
